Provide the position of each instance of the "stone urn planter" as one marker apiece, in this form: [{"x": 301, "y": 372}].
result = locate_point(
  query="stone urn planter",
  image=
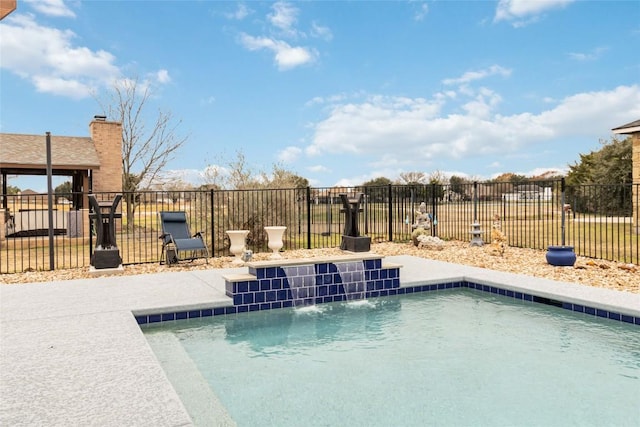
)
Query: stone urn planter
[
  {"x": 561, "y": 256},
  {"x": 274, "y": 234},
  {"x": 238, "y": 240}
]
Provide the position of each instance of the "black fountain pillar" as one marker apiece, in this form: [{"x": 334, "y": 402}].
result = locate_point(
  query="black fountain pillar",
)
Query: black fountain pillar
[
  {"x": 351, "y": 239},
  {"x": 106, "y": 253}
]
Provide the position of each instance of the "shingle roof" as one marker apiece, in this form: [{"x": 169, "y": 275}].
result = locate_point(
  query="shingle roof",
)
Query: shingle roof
[
  {"x": 631, "y": 127},
  {"x": 30, "y": 151}
]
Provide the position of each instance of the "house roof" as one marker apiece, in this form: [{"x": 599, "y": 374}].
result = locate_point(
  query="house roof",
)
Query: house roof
[
  {"x": 629, "y": 128},
  {"x": 29, "y": 152}
]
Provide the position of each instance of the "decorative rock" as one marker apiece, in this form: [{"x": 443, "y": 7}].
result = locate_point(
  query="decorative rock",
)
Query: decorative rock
[
  {"x": 430, "y": 242},
  {"x": 498, "y": 239}
]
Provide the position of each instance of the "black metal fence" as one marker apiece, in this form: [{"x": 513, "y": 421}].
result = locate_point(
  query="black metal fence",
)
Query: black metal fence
[{"x": 600, "y": 221}]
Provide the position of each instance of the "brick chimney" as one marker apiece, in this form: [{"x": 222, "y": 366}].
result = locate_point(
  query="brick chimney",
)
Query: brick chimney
[{"x": 107, "y": 138}]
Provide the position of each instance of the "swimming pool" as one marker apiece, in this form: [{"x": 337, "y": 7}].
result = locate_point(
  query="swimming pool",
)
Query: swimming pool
[{"x": 453, "y": 357}]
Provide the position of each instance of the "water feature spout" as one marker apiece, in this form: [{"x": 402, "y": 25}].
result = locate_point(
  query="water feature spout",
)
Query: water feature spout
[
  {"x": 302, "y": 283},
  {"x": 353, "y": 282}
]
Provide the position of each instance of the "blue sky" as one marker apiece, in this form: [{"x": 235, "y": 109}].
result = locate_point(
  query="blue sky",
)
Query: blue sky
[{"x": 337, "y": 92}]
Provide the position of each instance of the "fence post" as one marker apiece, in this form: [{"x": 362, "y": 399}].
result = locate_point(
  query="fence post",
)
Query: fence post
[
  {"x": 390, "y": 212},
  {"x": 52, "y": 264},
  {"x": 213, "y": 229},
  {"x": 308, "y": 217},
  {"x": 475, "y": 201},
  {"x": 433, "y": 208},
  {"x": 562, "y": 195}
]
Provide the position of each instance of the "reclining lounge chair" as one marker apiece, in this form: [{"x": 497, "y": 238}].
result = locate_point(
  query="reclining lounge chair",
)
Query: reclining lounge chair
[{"x": 177, "y": 239}]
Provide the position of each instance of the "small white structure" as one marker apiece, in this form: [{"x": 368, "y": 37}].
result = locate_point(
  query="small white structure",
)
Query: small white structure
[
  {"x": 274, "y": 234},
  {"x": 238, "y": 240}
]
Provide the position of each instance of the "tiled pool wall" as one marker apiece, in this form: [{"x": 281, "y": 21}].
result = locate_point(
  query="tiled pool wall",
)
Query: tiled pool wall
[
  {"x": 270, "y": 290},
  {"x": 318, "y": 283}
]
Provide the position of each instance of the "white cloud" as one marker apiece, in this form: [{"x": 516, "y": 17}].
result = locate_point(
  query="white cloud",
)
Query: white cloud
[
  {"x": 319, "y": 169},
  {"x": 241, "y": 12},
  {"x": 589, "y": 56},
  {"x": 321, "y": 32},
  {"x": 49, "y": 58},
  {"x": 422, "y": 11},
  {"x": 289, "y": 154},
  {"x": 470, "y": 76},
  {"x": 162, "y": 76},
  {"x": 51, "y": 7},
  {"x": 285, "y": 56},
  {"x": 284, "y": 17},
  {"x": 400, "y": 130},
  {"x": 523, "y": 12}
]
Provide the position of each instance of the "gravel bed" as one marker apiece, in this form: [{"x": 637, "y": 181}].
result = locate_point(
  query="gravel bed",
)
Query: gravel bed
[{"x": 599, "y": 273}]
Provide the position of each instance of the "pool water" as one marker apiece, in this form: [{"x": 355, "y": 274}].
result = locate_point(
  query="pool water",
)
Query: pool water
[{"x": 451, "y": 358}]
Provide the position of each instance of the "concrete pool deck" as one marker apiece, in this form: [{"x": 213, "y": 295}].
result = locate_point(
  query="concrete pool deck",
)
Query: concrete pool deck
[{"x": 72, "y": 353}]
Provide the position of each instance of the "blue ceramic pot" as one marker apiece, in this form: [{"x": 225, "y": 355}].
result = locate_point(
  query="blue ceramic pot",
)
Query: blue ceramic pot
[{"x": 562, "y": 256}]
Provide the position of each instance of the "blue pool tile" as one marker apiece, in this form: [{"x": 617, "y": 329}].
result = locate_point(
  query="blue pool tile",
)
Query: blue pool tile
[
  {"x": 501, "y": 291},
  {"x": 402, "y": 291},
  {"x": 271, "y": 272},
  {"x": 614, "y": 316},
  {"x": 259, "y": 297},
  {"x": 241, "y": 287},
  {"x": 602, "y": 313},
  {"x": 230, "y": 310},
  {"x": 193, "y": 314},
  {"x": 282, "y": 294},
  {"x": 276, "y": 284},
  {"x": 219, "y": 311},
  {"x": 272, "y": 296},
  {"x": 590, "y": 310},
  {"x": 567, "y": 306},
  {"x": 517, "y": 295},
  {"x": 276, "y": 304},
  {"x": 527, "y": 297},
  {"x": 322, "y": 268},
  {"x": 628, "y": 319},
  {"x": 254, "y": 286},
  {"x": 207, "y": 312},
  {"x": 254, "y": 307},
  {"x": 142, "y": 320},
  {"x": 168, "y": 316},
  {"x": 369, "y": 264},
  {"x": 265, "y": 284},
  {"x": 409, "y": 290},
  {"x": 441, "y": 286},
  {"x": 393, "y": 273},
  {"x": 509, "y": 293},
  {"x": 636, "y": 320},
  {"x": 243, "y": 308},
  {"x": 260, "y": 273},
  {"x": 181, "y": 315},
  {"x": 265, "y": 306},
  {"x": 384, "y": 274},
  {"x": 237, "y": 299},
  {"x": 388, "y": 284}
]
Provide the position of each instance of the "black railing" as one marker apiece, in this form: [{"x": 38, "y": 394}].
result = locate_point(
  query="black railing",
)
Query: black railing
[{"x": 600, "y": 221}]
